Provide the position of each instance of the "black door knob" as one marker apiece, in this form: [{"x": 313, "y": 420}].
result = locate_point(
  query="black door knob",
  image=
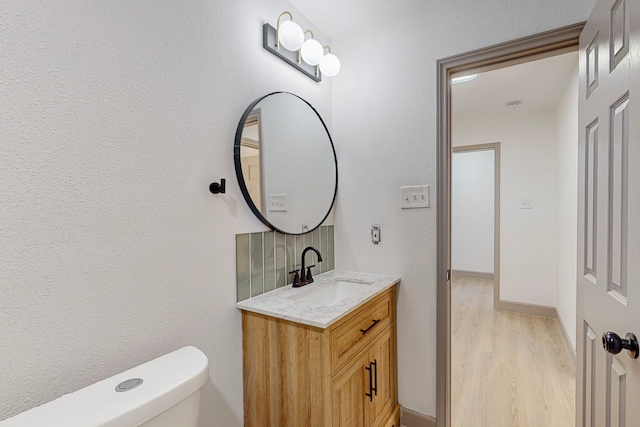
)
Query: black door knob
[{"x": 613, "y": 344}]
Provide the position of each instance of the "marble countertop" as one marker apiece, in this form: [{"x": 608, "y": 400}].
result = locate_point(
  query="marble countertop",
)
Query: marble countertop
[{"x": 279, "y": 303}]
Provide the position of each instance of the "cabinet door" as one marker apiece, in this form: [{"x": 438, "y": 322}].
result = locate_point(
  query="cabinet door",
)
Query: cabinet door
[
  {"x": 382, "y": 361},
  {"x": 348, "y": 395}
]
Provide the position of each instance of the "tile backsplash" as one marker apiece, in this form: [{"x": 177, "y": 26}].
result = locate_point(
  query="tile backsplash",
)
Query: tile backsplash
[{"x": 264, "y": 260}]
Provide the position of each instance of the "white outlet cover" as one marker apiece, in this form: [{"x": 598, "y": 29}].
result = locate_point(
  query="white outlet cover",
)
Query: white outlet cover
[
  {"x": 375, "y": 234},
  {"x": 415, "y": 196}
]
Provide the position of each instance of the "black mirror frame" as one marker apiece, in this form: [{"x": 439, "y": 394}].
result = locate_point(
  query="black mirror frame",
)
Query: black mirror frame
[{"x": 240, "y": 177}]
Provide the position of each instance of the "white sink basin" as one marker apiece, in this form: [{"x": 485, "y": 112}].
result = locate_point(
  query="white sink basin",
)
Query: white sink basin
[{"x": 330, "y": 293}]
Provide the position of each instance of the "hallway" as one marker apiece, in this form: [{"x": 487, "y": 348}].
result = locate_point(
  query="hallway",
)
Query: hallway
[{"x": 508, "y": 369}]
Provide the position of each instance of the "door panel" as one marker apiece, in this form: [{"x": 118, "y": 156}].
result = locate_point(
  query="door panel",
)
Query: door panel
[
  {"x": 618, "y": 147},
  {"x": 382, "y": 353},
  {"x": 591, "y": 199},
  {"x": 616, "y": 392},
  {"x": 619, "y": 30},
  {"x": 608, "y": 385},
  {"x": 592, "y": 65},
  {"x": 348, "y": 395},
  {"x": 589, "y": 370}
]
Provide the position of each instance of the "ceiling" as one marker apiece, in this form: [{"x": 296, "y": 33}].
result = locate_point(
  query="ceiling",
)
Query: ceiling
[
  {"x": 338, "y": 17},
  {"x": 538, "y": 84}
]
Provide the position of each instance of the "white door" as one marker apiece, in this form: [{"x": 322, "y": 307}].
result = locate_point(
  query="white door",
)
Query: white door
[
  {"x": 608, "y": 385},
  {"x": 252, "y": 179}
]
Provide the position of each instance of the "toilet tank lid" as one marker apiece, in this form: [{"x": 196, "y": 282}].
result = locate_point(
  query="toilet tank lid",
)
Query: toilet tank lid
[{"x": 166, "y": 381}]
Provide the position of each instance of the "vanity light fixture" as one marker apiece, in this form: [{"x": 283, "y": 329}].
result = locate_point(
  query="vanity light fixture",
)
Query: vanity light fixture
[
  {"x": 329, "y": 64},
  {"x": 311, "y": 50},
  {"x": 287, "y": 42},
  {"x": 289, "y": 34},
  {"x": 464, "y": 79}
]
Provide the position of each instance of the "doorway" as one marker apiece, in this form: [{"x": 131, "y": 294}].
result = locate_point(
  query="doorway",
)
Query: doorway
[
  {"x": 524, "y": 50},
  {"x": 476, "y": 214}
]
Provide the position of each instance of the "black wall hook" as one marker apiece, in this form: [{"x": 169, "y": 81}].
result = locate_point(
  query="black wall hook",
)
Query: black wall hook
[{"x": 216, "y": 188}]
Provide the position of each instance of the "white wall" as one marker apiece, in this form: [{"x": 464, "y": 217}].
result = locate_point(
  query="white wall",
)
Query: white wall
[
  {"x": 384, "y": 117},
  {"x": 115, "y": 117},
  {"x": 528, "y": 169},
  {"x": 567, "y": 136},
  {"x": 472, "y": 205}
]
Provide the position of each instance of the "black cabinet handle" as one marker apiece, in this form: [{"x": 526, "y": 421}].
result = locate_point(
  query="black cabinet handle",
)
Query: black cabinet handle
[
  {"x": 364, "y": 331},
  {"x": 373, "y": 379},
  {"x": 370, "y": 394},
  {"x": 375, "y": 376}
]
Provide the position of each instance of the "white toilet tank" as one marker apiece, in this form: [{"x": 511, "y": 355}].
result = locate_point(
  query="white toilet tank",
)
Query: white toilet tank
[{"x": 167, "y": 396}]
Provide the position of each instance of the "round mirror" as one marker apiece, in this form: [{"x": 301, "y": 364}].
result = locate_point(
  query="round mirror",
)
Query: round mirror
[{"x": 285, "y": 163}]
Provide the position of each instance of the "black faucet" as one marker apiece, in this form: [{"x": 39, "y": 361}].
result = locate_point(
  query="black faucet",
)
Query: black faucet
[{"x": 305, "y": 279}]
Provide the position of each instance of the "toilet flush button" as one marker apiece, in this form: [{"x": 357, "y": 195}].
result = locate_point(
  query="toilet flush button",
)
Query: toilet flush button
[{"x": 128, "y": 385}]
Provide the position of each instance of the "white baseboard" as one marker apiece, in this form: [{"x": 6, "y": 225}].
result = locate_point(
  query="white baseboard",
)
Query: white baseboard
[
  {"x": 542, "y": 311},
  {"x": 472, "y": 274},
  {"x": 530, "y": 309},
  {"x": 567, "y": 343}
]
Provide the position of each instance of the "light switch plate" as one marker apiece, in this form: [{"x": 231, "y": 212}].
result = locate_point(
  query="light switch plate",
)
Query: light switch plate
[
  {"x": 526, "y": 203},
  {"x": 416, "y": 196},
  {"x": 278, "y": 202}
]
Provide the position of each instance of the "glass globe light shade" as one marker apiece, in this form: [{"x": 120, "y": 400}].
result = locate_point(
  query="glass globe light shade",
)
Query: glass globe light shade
[
  {"x": 312, "y": 52},
  {"x": 330, "y": 65},
  {"x": 290, "y": 35}
]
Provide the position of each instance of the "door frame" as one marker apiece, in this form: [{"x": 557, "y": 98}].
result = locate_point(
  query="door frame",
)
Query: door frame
[
  {"x": 502, "y": 55},
  {"x": 495, "y": 147}
]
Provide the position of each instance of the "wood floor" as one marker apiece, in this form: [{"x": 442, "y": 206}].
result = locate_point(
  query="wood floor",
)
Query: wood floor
[{"x": 507, "y": 369}]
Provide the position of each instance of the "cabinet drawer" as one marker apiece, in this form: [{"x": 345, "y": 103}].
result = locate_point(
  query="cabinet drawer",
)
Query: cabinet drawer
[{"x": 348, "y": 338}]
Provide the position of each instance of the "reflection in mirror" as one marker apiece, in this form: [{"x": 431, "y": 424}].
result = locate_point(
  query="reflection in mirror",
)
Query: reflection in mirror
[
  {"x": 286, "y": 163},
  {"x": 250, "y": 158}
]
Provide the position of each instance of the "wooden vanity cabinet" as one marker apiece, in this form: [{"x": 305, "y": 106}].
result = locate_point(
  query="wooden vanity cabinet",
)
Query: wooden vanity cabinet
[{"x": 298, "y": 375}]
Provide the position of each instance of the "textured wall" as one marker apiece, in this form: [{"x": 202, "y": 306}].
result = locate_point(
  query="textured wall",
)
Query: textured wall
[
  {"x": 567, "y": 131},
  {"x": 385, "y": 117},
  {"x": 115, "y": 117}
]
